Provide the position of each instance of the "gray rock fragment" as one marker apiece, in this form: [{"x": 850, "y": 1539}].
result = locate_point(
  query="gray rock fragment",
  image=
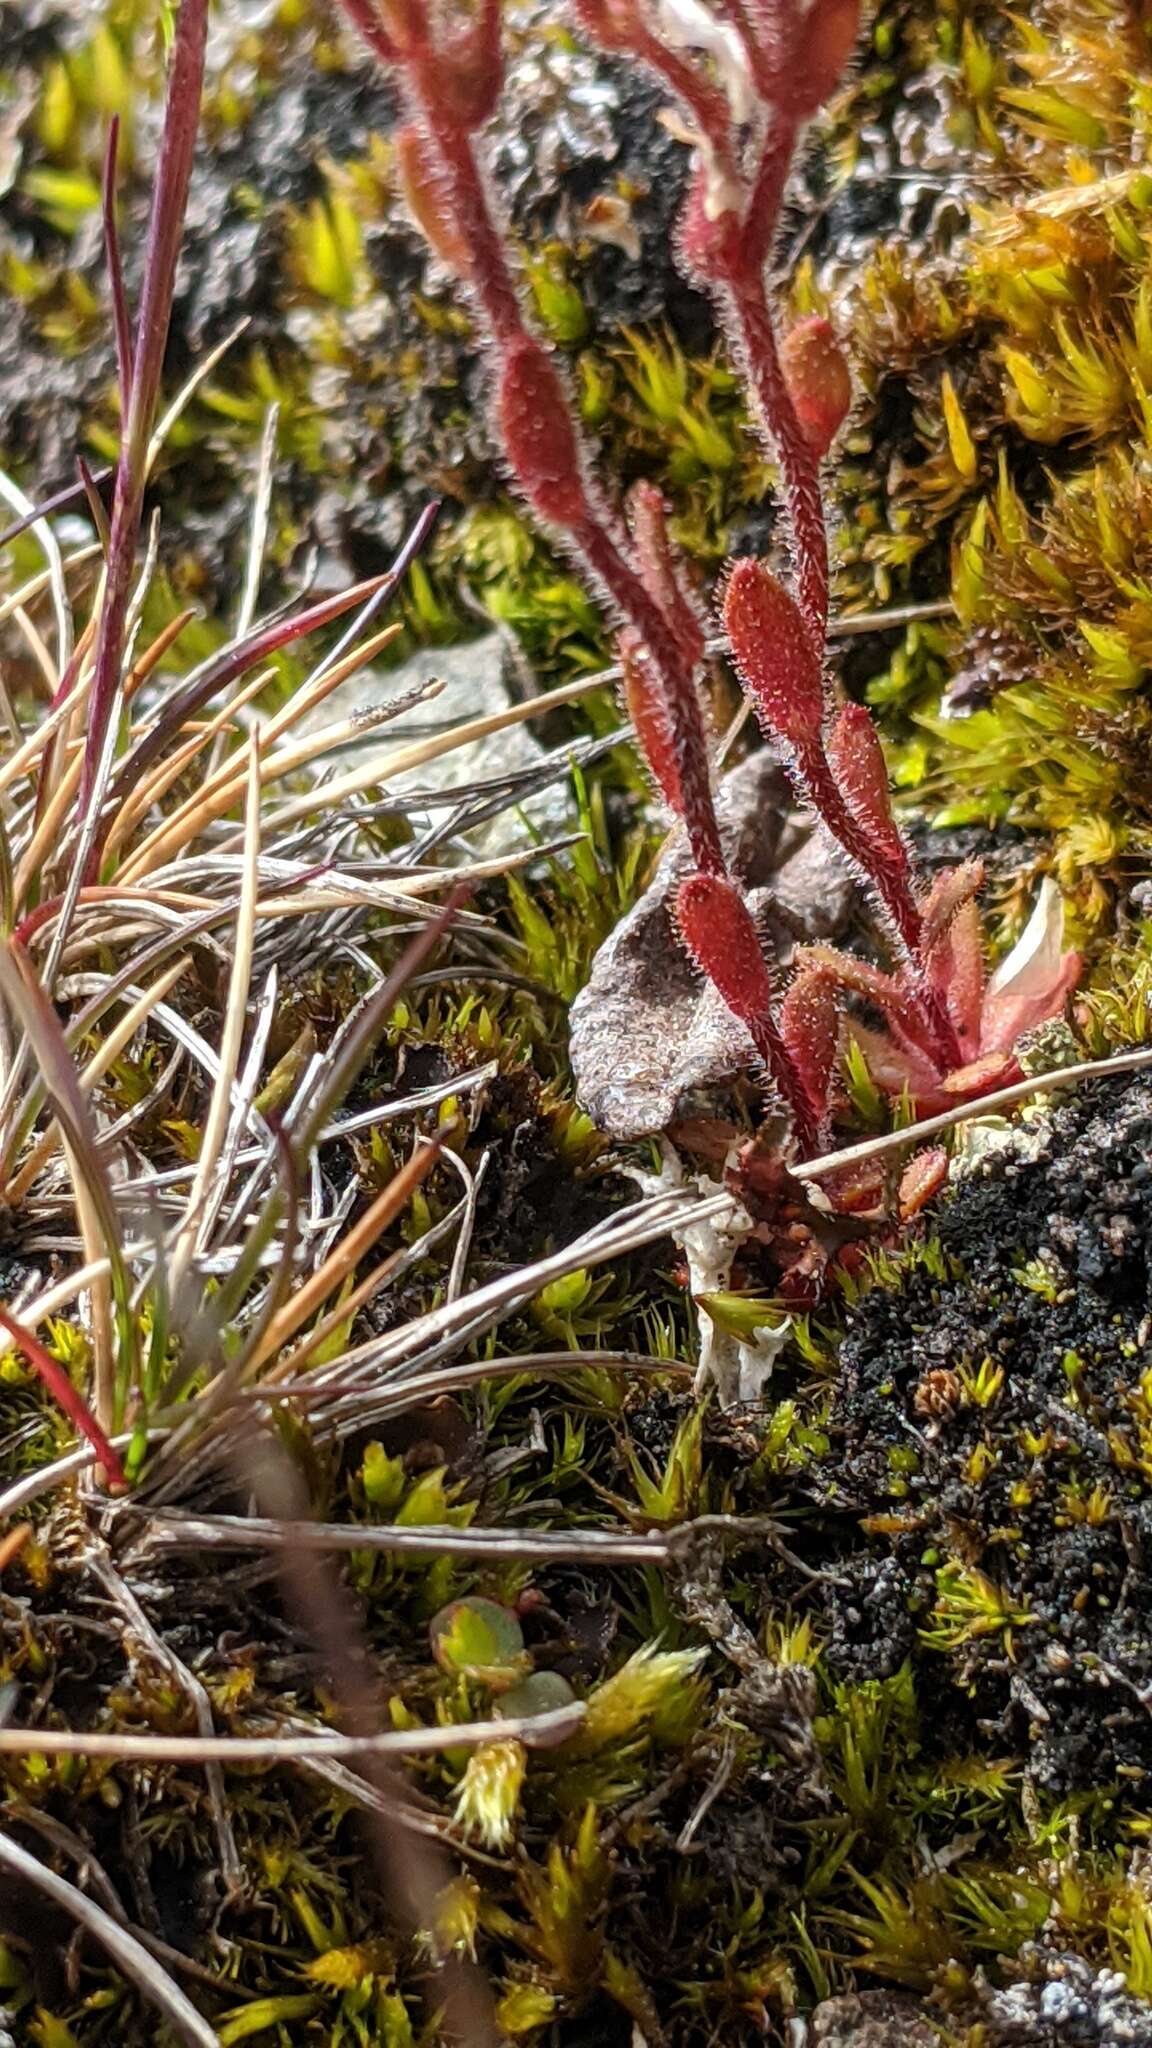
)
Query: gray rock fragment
[{"x": 652, "y": 1046}]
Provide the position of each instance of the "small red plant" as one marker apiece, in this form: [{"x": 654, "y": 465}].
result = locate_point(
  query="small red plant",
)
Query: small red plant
[{"x": 745, "y": 76}]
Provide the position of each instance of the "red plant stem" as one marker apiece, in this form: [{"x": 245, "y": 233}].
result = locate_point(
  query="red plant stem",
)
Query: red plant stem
[
  {"x": 708, "y": 107},
  {"x": 65, "y": 1395},
  {"x": 894, "y": 891},
  {"x": 766, "y": 195},
  {"x": 745, "y": 300},
  {"x": 739, "y": 286},
  {"x": 686, "y": 723},
  {"x": 467, "y": 201},
  {"x": 806, "y": 1114},
  {"x": 589, "y": 531},
  {"x": 759, "y": 61}
]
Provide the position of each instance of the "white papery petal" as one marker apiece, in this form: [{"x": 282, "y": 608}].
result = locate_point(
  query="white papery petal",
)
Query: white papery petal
[
  {"x": 1032, "y": 983},
  {"x": 686, "y": 25},
  {"x": 1034, "y": 962}
]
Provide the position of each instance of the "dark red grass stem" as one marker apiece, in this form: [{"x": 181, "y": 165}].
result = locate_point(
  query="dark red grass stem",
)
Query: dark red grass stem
[
  {"x": 65, "y": 1395},
  {"x": 165, "y": 232},
  {"x": 120, "y": 322}
]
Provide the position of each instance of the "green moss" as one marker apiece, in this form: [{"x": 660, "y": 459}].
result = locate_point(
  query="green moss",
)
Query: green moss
[{"x": 1014, "y": 371}]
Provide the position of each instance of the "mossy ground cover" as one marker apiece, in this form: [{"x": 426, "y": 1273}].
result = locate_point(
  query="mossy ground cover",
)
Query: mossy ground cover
[{"x": 896, "y": 1728}]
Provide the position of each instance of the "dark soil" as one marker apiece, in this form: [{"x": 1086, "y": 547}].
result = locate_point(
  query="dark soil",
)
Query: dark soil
[{"x": 1046, "y": 1490}]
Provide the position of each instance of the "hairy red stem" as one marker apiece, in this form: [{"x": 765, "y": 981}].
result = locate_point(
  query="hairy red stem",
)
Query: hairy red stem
[{"x": 746, "y": 301}]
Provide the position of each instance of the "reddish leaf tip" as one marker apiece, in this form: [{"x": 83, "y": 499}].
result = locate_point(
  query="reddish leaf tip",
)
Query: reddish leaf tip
[
  {"x": 535, "y": 419},
  {"x": 716, "y": 927},
  {"x": 860, "y": 771},
  {"x": 819, "y": 57},
  {"x": 924, "y": 1176},
  {"x": 416, "y": 174},
  {"x": 810, "y": 1028},
  {"x": 818, "y": 379},
  {"x": 649, "y": 715},
  {"x": 773, "y": 651}
]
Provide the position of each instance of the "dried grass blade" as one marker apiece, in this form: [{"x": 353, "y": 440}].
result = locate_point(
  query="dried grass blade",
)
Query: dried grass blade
[
  {"x": 536, "y": 1731},
  {"x": 349, "y": 1251},
  {"x": 127, "y": 1953},
  {"x": 232, "y": 1035},
  {"x": 25, "y": 996}
]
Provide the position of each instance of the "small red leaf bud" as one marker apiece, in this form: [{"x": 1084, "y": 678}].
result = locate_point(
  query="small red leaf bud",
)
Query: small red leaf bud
[
  {"x": 716, "y": 927},
  {"x": 957, "y": 970},
  {"x": 950, "y": 889},
  {"x": 992, "y": 1070},
  {"x": 649, "y": 714},
  {"x": 415, "y": 168},
  {"x": 818, "y": 380},
  {"x": 810, "y": 1028},
  {"x": 535, "y": 420},
  {"x": 466, "y": 72},
  {"x": 774, "y": 654},
  {"x": 923, "y": 1177},
  {"x": 856, "y": 759},
  {"x": 819, "y": 57},
  {"x": 661, "y": 573}
]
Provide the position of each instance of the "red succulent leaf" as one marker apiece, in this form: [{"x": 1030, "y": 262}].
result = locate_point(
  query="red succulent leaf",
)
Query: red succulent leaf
[
  {"x": 957, "y": 967},
  {"x": 819, "y": 57},
  {"x": 897, "y": 1002},
  {"x": 856, "y": 759},
  {"x": 660, "y": 571},
  {"x": 923, "y": 1177},
  {"x": 419, "y": 184},
  {"x": 649, "y": 714},
  {"x": 979, "y": 1077},
  {"x": 810, "y": 1028},
  {"x": 469, "y": 67},
  {"x": 818, "y": 379},
  {"x": 716, "y": 926},
  {"x": 535, "y": 418},
  {"x": 773, "y": 652},
  {"x": 950, "y": 888}
]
